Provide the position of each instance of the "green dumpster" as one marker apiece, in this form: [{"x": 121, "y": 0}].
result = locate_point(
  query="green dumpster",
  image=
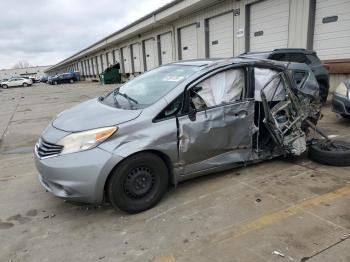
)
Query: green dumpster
[{"x": 110, "y": 76}]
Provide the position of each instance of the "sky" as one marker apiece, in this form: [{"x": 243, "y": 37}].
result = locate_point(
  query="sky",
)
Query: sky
[{"x": 44, "y": 32}]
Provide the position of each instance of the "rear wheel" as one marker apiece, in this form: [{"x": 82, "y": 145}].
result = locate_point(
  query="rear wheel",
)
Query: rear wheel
[
  {"x": 25, "y": 84},
  {"x": 71, "y": 81},
  {"x": 138, "y": 183},
  {"x": 55, "y": 83},
  {"x": 333, "y": 153},
  {"x": 4, "y": 86}
]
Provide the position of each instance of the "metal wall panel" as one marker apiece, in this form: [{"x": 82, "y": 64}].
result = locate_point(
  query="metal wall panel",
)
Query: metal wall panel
[
  {"x": 332, "y": 29},
  {"x": 220, "y": 36},
  {"x": 269, "y": 22}
]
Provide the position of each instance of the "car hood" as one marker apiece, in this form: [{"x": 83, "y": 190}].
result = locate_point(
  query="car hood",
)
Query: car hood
[{"x": 92, "y": 114}]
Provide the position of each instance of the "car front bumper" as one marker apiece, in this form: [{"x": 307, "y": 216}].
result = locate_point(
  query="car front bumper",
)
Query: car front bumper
[
  {"x": 341, "y": 104},
  {"x": 79, "y": 176}
]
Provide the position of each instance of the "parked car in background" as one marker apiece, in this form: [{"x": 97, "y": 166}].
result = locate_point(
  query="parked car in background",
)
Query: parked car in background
[
  {"x": 299, "y": 55},
  {"x": 43, "y": 79},
  {"x": 3, "y": 80},
  {"x": 63, "y": 78},
  {"x": 341, "y": 99},
  {"x": 16, "y": 81}
]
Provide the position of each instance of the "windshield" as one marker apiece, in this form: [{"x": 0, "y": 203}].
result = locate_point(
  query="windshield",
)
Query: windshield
[{"x": 149, "y": 87}]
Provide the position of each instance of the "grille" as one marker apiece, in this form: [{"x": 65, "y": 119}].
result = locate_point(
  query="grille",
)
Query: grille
[{"x": 46, "y": 149}]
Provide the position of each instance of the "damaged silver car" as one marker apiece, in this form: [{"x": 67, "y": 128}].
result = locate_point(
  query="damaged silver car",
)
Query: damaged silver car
[{"x": 176, "y": 122}]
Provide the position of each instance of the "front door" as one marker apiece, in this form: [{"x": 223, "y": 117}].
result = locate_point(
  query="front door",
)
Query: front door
[{"x": 218, "y": 129}]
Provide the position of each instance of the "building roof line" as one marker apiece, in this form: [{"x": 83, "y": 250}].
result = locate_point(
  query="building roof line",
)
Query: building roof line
[{"x": 153, "y": 13}]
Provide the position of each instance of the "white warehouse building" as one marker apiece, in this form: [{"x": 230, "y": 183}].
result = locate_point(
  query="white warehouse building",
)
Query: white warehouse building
[
  {"x": 191, "y": 29},
  {"x": 27, "y": 71}
]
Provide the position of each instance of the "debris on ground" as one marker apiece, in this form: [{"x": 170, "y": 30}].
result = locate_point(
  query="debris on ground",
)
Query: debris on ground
[{"x": 278, "y": 253}]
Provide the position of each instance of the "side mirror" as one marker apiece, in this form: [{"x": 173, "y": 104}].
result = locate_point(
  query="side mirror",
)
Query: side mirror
[{"x": 192, "y": 113}]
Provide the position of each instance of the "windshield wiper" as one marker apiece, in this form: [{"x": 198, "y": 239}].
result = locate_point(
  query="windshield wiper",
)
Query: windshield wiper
[{"x": 125, "y": 96}]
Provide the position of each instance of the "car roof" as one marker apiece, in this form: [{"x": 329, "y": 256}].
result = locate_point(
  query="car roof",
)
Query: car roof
[
  {"x": 280, "y": 50},
  {"x": 233, "y": 60}
]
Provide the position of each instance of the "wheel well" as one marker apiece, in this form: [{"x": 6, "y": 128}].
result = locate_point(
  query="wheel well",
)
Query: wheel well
[
  {"x": 322, "y": 81},
  {"x": 163, "y": 156}
]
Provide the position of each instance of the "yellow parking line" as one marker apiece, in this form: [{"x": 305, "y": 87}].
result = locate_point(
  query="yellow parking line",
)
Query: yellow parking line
[
  {"x": 274, "y": 217},
  {"x": 164, "y": 259}
]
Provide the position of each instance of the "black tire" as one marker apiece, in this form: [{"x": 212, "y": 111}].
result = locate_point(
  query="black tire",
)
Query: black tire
[
  {"x": 334, "y": 153},
  {"x": 345, "y": 116},
  {"x": 25, "y": 84},
  {"x": 71, "y": 81},
  {"x": 5, "y": 86},
  {"x": 55, "y": 83},
  {"x": 138, "y": 183}
]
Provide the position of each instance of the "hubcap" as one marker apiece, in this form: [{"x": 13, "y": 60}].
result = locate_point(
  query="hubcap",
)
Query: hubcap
[{"x": 139, "y": 182}]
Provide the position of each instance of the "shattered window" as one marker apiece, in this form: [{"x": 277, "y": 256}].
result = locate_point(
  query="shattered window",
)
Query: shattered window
[
  {"x": 274, "y": 90},
  {"x": 299, "y": 77},
  {"x": 222, "y": 88}
]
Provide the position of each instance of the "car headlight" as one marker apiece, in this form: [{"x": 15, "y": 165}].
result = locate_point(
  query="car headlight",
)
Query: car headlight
[
  {"x": 85, "y": 140},
  {"x": 341, "y": 90}
]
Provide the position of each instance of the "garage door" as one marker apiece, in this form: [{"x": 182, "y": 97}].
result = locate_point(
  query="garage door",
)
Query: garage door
[
  {"x": 103, "y": 61},
  {"x": 188, "y": 42},
  {"x": 98, "y": 64},
  {"x": 136, "y": 53},
  {"x": 92, "y": 62},
  {"x": 126, "y": 59},
  {"x": 221, "y": 36},
  {"x": 269, "y": 25},
  {"x": 116, "y": 56},
  {"x": 166, "y": 48},
  {"x": 150, "y": 54},
  {"x": 110, "y": 58},
  {"x": 332, "y": 29},
  {"x": 90, "y": 67}
]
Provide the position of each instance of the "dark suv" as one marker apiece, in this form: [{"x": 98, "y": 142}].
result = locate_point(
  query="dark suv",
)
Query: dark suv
[
  {"x": 63, "y": 78},
  {"x": 299, "y": 55}
]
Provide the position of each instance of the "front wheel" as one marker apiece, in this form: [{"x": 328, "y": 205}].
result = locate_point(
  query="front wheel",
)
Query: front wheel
[
  {"x": 138, "y": 183},
  {"x": 55, "y": 83},
  {"x": 25, "y": 84},
  {"x": 71, "y": 81},
  {"x": 5, "y": 86}
]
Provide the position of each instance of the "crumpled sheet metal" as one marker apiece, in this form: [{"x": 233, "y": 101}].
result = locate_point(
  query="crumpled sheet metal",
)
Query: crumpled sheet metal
[
  {"x": 216, "y": 137},
  {"x": 143, "y": 135}
]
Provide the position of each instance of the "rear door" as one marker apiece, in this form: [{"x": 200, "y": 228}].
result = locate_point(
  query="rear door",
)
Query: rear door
[
  {"x": 220, "y": 131},
  {"x": 12, "y": 82}
]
